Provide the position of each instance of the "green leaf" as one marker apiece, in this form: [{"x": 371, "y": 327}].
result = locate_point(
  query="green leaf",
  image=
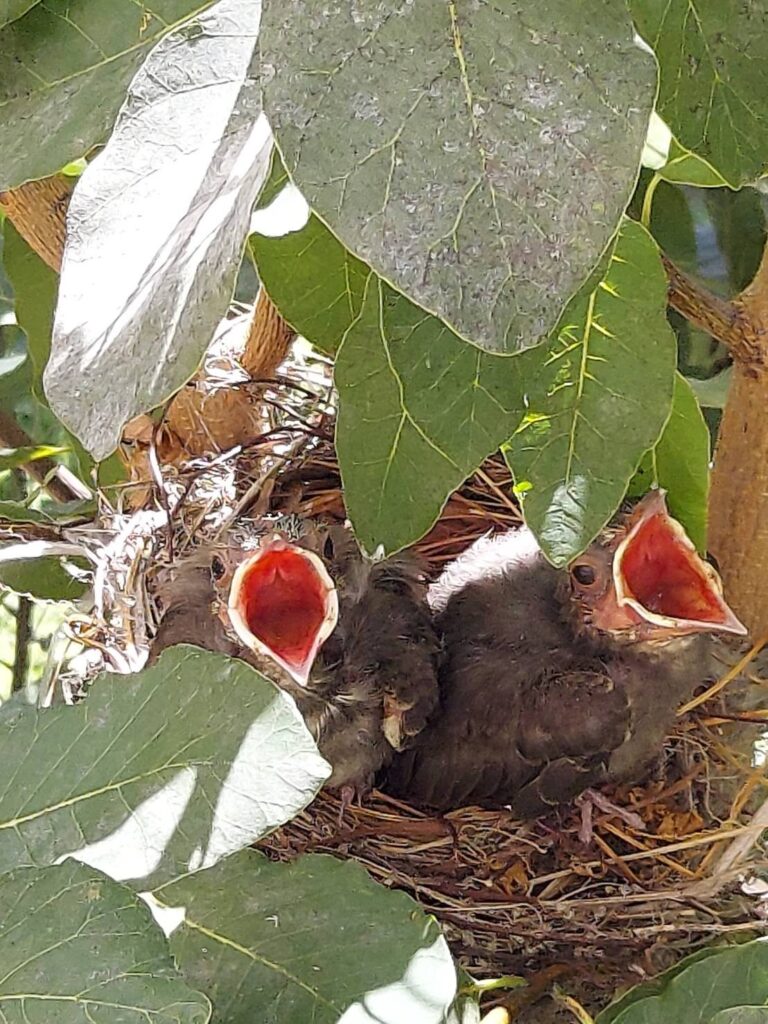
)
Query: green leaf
[
  {"x": 739, "y": 223},
  {"x": 10, "y": 363},
  {"x": 487, "y": 174},
  {"x": 698, "y": 989},
  {"x": 653, "y": 986},
  {"x": 12, "y": 458},
  {"x": 601, "y": 400},
  {"x": 419, "y": 409},
  {"x": 35, "y": 287},
  {"x": 742, "y": 1015},
  {"x": 686, "y": 168},
  {"x": 680, "y": 464},
  {"x": 44, "y": 570},
  {"x": 157, "y": 773},
  {"x": 78, "y": 948},
  {"x": 712, "y": 393},
  {"x": 308, "y": 941},
  {"x": 10, "y": 10},
  {"x": 64, "y": 70},
  {"x": 673, "y": 226},
  {"x": 315, "y": 282},
  {"x": 58, "y": 513},
  {"x": 157, "y": 225},
  {"x": 713, "y": 61}
]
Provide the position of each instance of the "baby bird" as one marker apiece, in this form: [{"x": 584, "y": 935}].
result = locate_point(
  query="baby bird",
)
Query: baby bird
[
  {"x": 350, "y": 639},
  {"x": 556, "y": 681}
]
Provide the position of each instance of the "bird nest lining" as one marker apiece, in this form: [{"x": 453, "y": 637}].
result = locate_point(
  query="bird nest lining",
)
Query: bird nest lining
[{"x": 514, "y": 897}]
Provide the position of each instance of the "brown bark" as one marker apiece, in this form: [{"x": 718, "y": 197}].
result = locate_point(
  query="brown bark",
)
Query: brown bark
[
  {"x": 38, "y": 211},
  {"x": 23, "y": 640},
  {"x": 738, "y": 507},
  {"x": 268, "y": 340}
]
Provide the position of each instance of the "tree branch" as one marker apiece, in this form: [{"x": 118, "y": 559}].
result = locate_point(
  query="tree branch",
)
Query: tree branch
[
  {"x": 729, "y": 322},
  {"x": 23, "y": 636},
  {"x": 38, "y": 211},
  {"x": 45, "y": 472}
]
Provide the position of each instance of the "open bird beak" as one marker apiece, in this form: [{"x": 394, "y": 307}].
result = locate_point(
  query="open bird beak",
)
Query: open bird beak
[
  {"x": 661, "y": 587},
  {"x": 283, "y": 604}
]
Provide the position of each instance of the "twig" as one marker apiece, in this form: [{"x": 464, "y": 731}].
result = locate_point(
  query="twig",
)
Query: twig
[
  {"x": 162, "y": 494},
  {"x": 482, "y": 475},
  {"x": 734, "y": 854},
  {"x": 23, "y": 636},
  {"x": 710, "y": 313},
  {"x": 720, "y": 836},
  {"x": 45, "y": 471}
]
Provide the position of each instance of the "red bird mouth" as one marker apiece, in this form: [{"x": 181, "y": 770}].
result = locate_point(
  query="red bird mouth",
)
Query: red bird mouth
[
  {"x": 283, "y": 603},
  {"x": 660, "y": 580}
]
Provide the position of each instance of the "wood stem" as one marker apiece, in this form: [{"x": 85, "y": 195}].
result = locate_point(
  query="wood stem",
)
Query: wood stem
[
  {"x": 738, "y": 502},
  {"x": 38, "y": 211},
  {"x": 23, "y": 638},
  {"x": 269, "y": 339},
  {"x": 45, "y": 472}
]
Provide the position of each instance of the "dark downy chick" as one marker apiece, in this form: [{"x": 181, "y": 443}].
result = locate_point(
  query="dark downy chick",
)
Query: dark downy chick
[
  {"x": 351, "y": 640},
  {"x": 557, "y": 681}
]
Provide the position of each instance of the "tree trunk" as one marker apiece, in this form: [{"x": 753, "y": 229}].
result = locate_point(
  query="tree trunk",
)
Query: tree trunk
[
  {"x": 738, "y": 516},
  {"x": 738, "y": 499}
]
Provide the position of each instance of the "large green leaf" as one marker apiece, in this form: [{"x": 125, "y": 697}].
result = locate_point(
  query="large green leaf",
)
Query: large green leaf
[
  {"x": 77, "y": 948},
  {"x": 742, "y": 1015},
  {"x": 69, "y": 512},
  {"x": 10, "y": 10},
  {"x": 600, "y": 401},
  {"x": 680, "y": 464},
  {"x": 64, "y": 69},
  {"x": 418, "y": 408},
  {"x": 479, "y": 156},
  {"x": 157, "y": 226},
  {"x": 713, "y": 59},
  {"x": 418, "y": 411},
  {"x": 672, "y": 222},
  {"x": 313, "y": 280},
  {"x": 739, "y": 224},
  {"x": 316, "y": 940},
  {"x": 686, "y": 168},
  {"x": 46, "y": 571},
  {"x": 157, "y": 773},
  {"x": 712, "y": 393},
  {"x": 716, "y": 986},
  {"x": 35, "y": 287}
]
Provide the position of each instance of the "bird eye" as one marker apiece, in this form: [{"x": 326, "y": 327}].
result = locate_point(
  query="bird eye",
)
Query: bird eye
[
  {"x": 217, "y": 568},
  {"x": 584, "y": 574}
]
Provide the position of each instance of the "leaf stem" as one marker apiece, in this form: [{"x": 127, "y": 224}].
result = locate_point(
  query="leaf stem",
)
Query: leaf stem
[
  {"x": 574, "y": 1007},
  {"x": 645, "y": 215}
]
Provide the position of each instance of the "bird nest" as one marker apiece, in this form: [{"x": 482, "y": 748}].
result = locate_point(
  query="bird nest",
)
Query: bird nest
[{"x": 514, "y": 898}]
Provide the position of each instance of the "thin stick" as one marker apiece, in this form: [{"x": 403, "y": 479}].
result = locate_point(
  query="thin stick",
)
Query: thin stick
[
  {"x": 23, "y": 637},
  {"x": 736, "y": 852},
  {"x": 685, "y": 844},
  {"x": 61, "y": 487},
  {"x": 498, "y": 491}
]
